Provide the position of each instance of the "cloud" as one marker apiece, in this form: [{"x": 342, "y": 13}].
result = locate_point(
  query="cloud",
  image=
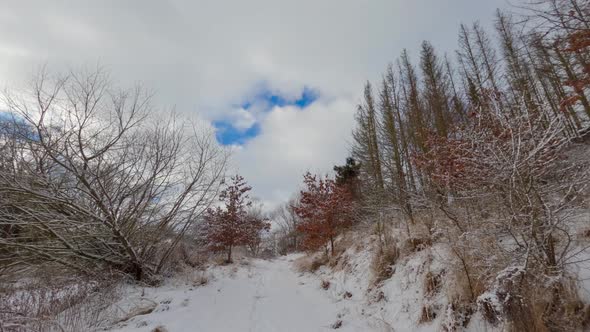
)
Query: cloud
[
  {"x": 293, "y": 141},
  {"x": 210, "y": 57},
  {"x": 241, "y": 124}
]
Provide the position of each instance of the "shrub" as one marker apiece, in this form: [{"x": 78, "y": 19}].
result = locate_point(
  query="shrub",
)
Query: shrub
[
  {"x": 427, "y": 314},
  {"x": 417, "y": 244},
  {"x": 383, "y": 262},
  {"x": 458, "y": 315},
  {"x": 432, "y": 283},
  {"x": 313, "y": 263},
  {"x": 58, "y": 303}
]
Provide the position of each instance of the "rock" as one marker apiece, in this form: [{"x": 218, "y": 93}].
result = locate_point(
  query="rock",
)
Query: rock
[{"x": 143, "y": 308}]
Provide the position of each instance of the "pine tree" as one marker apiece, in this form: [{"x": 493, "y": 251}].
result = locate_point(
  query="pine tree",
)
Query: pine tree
[
  {"x": 417, "y": 120},
  {"x": 366, "y": 146},
  {"x": 471, "y": 68},
  {"x": 347, "y": 176},
  {"x": 489, "y": 62},
  {"x": 435, "y": 89},
  {"x": 397, "y": 163}
]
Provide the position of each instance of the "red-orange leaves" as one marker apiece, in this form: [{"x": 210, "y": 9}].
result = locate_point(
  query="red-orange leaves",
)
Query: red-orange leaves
[
  {"x": 233, "y": 225},
  {"x": 324, "y": 208}
]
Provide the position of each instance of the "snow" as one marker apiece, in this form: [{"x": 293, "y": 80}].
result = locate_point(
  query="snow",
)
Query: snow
[
  {"x": 261, "y": 296},
  {"x": 270, "y": 295}
]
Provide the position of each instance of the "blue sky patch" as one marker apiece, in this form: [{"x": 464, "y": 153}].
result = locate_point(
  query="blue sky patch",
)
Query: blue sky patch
[
  {"x": 307, "y": 98},
  {"x": 265, "y": 100},
  {"x": 227, "y": 134},
  {"x": 272, "y": 99}
]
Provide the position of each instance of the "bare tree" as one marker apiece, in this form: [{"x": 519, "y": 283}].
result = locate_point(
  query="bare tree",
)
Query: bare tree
[
  {"x": 100, "y": 179},
  {"x": 510, "y": 201},
  {"x": 287, "y": 221}
]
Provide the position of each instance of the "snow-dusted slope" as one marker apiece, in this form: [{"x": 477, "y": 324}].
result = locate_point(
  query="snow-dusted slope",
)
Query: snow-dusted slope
[{"x": 261, "y": 296}]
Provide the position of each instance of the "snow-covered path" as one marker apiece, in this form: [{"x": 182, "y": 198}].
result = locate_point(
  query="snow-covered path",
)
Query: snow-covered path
[{"x": 261, "y": 296}]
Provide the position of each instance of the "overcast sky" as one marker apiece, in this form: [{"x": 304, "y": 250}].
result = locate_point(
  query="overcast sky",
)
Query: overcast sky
[{"x": 279, "y": 79}]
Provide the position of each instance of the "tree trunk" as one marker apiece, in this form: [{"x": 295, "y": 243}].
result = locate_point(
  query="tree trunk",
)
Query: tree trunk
[
  {"x": 229, "y": 254},
  {"x": 137, "y": 271},
  {"x": 332, "y": 245}
]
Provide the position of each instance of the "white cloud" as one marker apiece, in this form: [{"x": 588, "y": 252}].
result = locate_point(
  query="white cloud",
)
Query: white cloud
[
  {"x": 293, "y": 141},
  {"x": 208, "y": 56},
  {"x": 242, "y": 119}
]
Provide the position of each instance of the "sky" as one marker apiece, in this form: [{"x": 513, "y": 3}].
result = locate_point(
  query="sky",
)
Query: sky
[{"x": 279, "y": 80}]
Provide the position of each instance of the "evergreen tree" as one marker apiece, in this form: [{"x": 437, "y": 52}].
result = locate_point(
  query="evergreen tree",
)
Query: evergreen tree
[
  {"x": 348, "y": 174},
  {"x": 435, "y": 89},
  {"x": 366, "y": 146}
]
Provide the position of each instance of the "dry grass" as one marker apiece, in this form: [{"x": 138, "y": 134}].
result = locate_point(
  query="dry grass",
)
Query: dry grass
[
  {"x": 383, "y": 262},
  {"x": 458, "y": 315},
  {"x": 432, "y": 283},
  {"x": 585, "y": 234},
  {"x": 311, "y": 263},
  {"x": 416, "y": 244},
  {"x": 557, "y": 308},
  {"x": 427, "y": 314},
  {"x": 186, "y": 254},
  {"x": 57, "y": 303},
  {"x": 530, "y": 305}
]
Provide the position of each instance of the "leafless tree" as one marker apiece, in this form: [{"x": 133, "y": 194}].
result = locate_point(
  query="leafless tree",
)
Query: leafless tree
[
  {"x": 95, "y": 177},
  {"x": 510, "y": 200},
  {"x": 286, "y": 221}
]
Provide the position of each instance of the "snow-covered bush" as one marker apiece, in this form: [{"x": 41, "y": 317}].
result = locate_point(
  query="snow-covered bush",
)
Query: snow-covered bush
[{"x": 55, "y": 302}]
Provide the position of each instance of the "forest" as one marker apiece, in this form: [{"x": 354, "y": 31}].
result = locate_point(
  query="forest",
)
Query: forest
[{"x": 474, "y": 165}]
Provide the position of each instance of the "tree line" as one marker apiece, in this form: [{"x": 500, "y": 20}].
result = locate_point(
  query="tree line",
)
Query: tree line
[
  {"x": 478, "y": 151},
  {"x": 95, "y": 180}
]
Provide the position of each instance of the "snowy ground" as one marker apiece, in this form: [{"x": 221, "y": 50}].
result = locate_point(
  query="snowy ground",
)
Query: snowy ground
[
  {"x": 261, "y": 296},
  {"x": 271, "y": 296}
]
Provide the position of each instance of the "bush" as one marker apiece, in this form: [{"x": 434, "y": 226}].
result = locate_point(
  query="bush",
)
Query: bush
[
  {"x": 432, "y": 283},
  {"x": 521, "y": 300},
  {"x": 458, "y": 315},
  {"x": 427, "y": 314},
  {"x": 417, "y": 244},
  {"x": 52, "y": 303},
  {"x": 383, "y": 262},
  {"x": 313, "y": 263}
]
